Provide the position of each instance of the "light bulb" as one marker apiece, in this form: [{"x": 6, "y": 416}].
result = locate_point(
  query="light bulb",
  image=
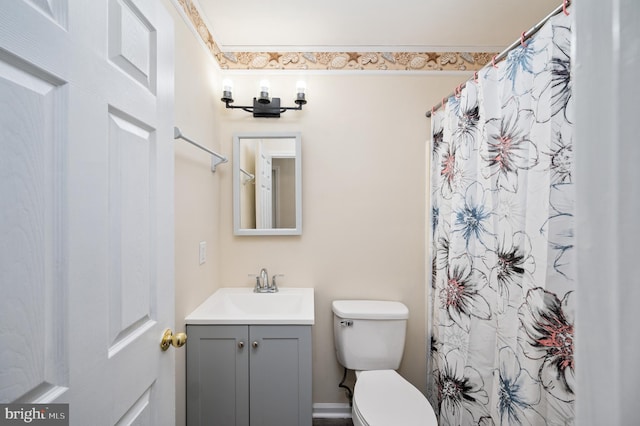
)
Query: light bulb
[
  {"x": 264, "y": 86},
  {"x": 263, "y": 92},
  {"x": 227, "y": 89},
  {"x": 301, "y": 87}
]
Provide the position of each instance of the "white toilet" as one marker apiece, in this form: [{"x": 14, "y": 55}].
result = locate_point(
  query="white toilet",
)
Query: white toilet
[{"x": 369, "y": 338}]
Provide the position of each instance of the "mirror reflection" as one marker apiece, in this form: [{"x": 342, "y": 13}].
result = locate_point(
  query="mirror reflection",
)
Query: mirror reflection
[{"x": 266, "y": 184}]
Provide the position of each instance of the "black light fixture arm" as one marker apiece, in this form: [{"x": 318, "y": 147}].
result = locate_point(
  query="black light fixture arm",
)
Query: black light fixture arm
[
  {"x": 250, "y": 109},
  {"x": 228, "y": 102}
]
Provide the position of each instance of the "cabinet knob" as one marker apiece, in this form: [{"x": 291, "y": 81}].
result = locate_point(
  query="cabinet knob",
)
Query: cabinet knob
[
  {"x": 240, "y": 345},
  {"x": 254, "y": 344}
]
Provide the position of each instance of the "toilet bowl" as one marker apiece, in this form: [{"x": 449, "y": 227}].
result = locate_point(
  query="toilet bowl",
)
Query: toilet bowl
[
  {"x": 384, "y": 398},
  {"x": 369, "y": 337}
]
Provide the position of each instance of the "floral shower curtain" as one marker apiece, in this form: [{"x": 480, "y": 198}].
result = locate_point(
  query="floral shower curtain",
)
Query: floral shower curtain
[{"x": 503, "y": 270}]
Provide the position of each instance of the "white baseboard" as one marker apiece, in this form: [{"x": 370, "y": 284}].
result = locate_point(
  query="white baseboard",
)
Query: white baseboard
[{"x": 331, "y": 410}]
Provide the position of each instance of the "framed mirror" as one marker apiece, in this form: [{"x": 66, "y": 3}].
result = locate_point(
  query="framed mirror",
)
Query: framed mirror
[{"x": 267, "y": 184}]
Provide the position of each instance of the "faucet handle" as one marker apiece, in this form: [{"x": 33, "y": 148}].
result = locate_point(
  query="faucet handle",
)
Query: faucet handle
[
  {"x": 273, "y": 281},
  {"x": 257, "y": 277}
]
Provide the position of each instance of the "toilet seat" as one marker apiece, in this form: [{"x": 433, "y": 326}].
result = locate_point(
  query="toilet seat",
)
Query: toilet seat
[{"x": 384, "y": 398}]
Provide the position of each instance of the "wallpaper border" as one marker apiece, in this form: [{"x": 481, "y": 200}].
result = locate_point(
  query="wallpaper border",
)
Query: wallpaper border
[{"x": 300, "y": 61}]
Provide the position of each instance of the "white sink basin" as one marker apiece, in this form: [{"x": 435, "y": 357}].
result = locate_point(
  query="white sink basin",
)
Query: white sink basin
[{"x": 241, "y": 305}]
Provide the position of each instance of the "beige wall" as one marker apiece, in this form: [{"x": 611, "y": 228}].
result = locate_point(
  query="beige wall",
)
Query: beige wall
[
  {"x": 197, "y": 190},
  {"x": 363, "y": 159},
  {"x": 363, "y": 170}
]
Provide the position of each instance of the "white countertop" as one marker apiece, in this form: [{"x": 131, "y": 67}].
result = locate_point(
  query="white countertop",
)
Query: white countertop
[{"x": 240, "y": 305}]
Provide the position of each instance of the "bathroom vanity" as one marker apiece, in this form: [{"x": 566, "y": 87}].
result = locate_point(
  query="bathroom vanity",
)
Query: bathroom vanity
[{"x": 249, "y": 359}]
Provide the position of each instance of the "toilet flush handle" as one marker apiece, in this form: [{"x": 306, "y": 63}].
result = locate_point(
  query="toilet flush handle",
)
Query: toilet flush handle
[{"x": 346, "y": 323}]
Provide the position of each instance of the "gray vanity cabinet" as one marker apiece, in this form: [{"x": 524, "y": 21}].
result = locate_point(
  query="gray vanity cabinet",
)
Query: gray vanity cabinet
[{"x": 249, "y": 375}]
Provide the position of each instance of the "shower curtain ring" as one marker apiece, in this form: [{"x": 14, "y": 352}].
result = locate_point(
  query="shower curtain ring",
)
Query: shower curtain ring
[
  {"x": 493, "y": 61},
  {"x": 522, "y": 43},
  {"x": 564, "y": 7}
]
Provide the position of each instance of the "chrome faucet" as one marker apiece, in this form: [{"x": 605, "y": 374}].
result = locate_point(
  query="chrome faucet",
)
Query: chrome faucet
[
  {"x": 264, "y": 279},
  {"x": 262, "y": 283}
]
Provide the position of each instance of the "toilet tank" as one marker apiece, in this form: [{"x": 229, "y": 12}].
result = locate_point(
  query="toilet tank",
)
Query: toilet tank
[{"x": 369, "y": 334}]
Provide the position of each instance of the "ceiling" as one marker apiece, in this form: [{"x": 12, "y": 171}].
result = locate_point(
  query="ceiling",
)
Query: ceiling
[{"x": 303, "y": 33}]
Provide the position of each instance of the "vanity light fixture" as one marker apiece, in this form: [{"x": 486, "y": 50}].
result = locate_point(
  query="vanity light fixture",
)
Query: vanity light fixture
[{"x": 263, "y": 105}]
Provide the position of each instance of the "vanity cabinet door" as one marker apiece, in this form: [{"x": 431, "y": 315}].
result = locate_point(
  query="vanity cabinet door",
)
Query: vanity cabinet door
[
  {"x": 280, "y": 380},
  {"x": 218, "y": 375},
  {"x": 239, "y": 375}
]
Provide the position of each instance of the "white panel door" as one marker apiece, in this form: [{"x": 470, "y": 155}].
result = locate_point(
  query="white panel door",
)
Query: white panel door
[
  {"x": 264, "y": 188},
  {"x": 86, "y": 208}
]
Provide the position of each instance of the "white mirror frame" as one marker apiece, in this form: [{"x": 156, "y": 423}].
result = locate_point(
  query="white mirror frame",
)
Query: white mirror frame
[{"x": 237, "y": 137}]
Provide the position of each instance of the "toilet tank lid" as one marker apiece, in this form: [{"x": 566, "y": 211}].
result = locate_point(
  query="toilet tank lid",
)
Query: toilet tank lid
[{"x": 370, "y": 309}]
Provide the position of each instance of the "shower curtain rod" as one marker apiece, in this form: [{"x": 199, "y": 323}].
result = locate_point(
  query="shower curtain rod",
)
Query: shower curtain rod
[{"x": 525, "y": 36}]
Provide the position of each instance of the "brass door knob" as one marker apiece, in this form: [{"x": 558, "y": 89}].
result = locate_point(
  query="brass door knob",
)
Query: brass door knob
[{"x": 168, "y": 338}]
